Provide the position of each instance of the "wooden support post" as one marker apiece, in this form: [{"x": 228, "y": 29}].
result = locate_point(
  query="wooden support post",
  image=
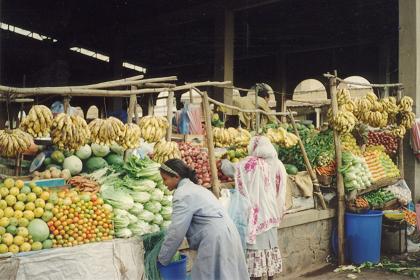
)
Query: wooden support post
[
  {"x": 66, "y": 104},
  {"x": 150, "y": 106},
  {"x": 257, "y": 114},
  {"x": 400, "y": 141},
  {"x": 317, "y": 190},
  {"x": 131, "y": 108},
  {"x": 215, "y": 184},
  {"x": 340, "y": 182},
  {"x": 170, "y": 105}
]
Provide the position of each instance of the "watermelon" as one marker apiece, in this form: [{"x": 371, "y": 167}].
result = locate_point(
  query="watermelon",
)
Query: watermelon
[
  {"x": 95, "y": 163},
  {"x": 114, "y": 159},
  {"x": 39, "y": 230},
  {"x": 291, "y": 169}
]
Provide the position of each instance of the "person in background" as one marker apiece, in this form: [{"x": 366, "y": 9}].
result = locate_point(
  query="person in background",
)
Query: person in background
[
  {"x": 248, "y": 103},
  {"x": 261, "y": 179},
  {"x": 198, "y": 215}
]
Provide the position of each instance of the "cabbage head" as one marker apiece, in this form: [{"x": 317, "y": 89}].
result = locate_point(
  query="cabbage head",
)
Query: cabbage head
[
  {"x": 141, "y": 197},
  {"x": 156, "y": 195},
  {"x": 140, "y": 228},
  {"x": 166, "y": 212},
  {"x": 121, "y": 221},
  {"x": 136, "y": 209},
  {"x": 166, "y": 200},
  {"x": 158, "y": 220},
  {"x": 123, "y": 233},
  {"x": 153, "y": 206},
  {"x": 146, "y": 216},
  {"x": 154, "y": 228}
]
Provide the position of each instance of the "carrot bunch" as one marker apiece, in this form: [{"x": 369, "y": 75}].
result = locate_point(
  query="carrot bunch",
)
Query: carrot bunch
[
  {"x": 328, "y": 170},
  {"x": 360, "y": 202}
]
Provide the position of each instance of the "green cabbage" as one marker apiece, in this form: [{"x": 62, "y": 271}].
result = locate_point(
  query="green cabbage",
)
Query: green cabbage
[
  {"x": 123, "y": 233},
  {"x": 140, "y": 228},
  {"x": 154, "y": 228},
  {"x": 157, "y": 195},
  {"x": 132, "y": 219},
  {"x": 117, "y": 198},
  {"x": 166, "y": 212},
  {"x": 136, "y": 209},
  {"x": 158, "y": 220},
  {"x": 146, "y": 216},
  {"x": 166, "y": 200},
  {"x": 153, "y": 206},
  {"x": 121, "y": 221},
  {"x": 141, "y": 197}
]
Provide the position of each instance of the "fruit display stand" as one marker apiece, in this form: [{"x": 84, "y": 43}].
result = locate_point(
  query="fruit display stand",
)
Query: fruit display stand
[
  {"x": 115, "y": 259},
  {"x": 257, "y": 112},
  {"x": 363, "y": 172}
]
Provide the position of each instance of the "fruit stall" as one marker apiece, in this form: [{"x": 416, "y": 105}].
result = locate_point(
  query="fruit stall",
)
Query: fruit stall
[
  {"x": 367, "y": 161},
  {"x": 91, "y": 183}
]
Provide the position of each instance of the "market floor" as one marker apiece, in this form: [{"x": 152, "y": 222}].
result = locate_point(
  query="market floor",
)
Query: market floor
[{"x": 327, "y": 273}]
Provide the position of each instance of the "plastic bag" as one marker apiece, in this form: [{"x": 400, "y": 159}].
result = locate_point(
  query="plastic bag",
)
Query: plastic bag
[
  {"x": 144, "y": 150},
  {"x": 228, "y": 168},
  {"x": 239, "y": 210},
  {"x": 184, "y": 122},
  {"x": 225, "y": 199}
]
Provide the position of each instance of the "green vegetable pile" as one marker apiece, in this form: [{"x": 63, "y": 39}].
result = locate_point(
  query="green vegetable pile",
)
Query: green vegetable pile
[
  {"x": 319, "y": 147},
  {"x": 378, "y": 198},
  {"x": 355, "y": 172},
  {"x": 142, "y": 203}
]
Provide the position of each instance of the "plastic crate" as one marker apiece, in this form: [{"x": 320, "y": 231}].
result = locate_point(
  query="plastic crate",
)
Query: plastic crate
[{"x": 49, "y": 183}]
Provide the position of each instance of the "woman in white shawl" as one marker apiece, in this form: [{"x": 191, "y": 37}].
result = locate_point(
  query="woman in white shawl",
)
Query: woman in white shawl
[{"x": 261, "y": 179}]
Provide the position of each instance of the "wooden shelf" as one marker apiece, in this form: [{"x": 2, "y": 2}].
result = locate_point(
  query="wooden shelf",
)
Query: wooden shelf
[{"x": 378, "y": 185}]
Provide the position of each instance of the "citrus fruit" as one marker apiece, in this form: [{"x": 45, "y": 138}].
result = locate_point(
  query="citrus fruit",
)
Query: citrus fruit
[
  {"x": 14, "y": 249},
  {"x": 19, "y": 206},
  {"x": 36, "y": 246},
  {"x": 3, "y": 204},
  {"x": 14, "y": 191},
  {"x": 7, "y": 239},
  {"x": 4, "y": 191},
  {"x": 38, "y": 212},
  {"x": 23, "y": 222},
  {"x": 45, "y": 195},
  {"x": 30, "y": 206},
  {"x": 3, "y": 248},
  {"x": 13, "y": 221},
  {"x": 31, "y": 197},
  {"x": 18, "y": 240},
  {"x": 4, "y": 222},
  {"x": 39, "y": 202},
  {"x": 22, "y": 231},
  {"x": 19, "y": 184},
  {"x": 8, "y": 212},
  {"x": 9, "y": 183},
  {"x": 28, "y": 215},
  {"x": 10, "y": 199},
  {"x": 21, "y": 197},
  {"x": 25, "y": 247}
]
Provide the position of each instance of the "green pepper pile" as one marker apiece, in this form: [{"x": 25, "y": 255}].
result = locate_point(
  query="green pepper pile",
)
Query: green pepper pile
[{"x": 378, "y": 198}]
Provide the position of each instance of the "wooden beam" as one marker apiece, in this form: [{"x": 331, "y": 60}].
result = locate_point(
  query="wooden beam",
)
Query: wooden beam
[
  {"x": 224, "y": 53},
  {"x": 340, "y": 181}
]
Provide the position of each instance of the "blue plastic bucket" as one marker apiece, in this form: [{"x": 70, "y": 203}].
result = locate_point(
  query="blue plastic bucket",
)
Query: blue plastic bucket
[
  {"x": 363, "y": 236},
  {"x": 175, "y": 270}
]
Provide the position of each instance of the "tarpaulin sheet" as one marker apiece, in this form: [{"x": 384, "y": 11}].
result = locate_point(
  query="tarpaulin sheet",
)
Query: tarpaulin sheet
[{"x": 119, "y": 259}]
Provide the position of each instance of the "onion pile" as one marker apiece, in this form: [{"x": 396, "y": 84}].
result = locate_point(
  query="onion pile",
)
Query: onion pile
[
  {"x": 197, "y": 160},
  {"x": 385, "y": 139}
]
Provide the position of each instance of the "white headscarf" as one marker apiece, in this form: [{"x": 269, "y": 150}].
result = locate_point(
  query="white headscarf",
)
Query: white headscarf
[{"x": 261, "y": 179}]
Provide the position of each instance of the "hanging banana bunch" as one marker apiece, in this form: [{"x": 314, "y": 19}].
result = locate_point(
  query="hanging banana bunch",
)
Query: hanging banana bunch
[
  {"x": 14, "y": 142},
  {"x": 165, "y": 150},
  {"x": 38, "y": 121},
  {"x": 152, "y": 128},
  {"x": 132, "y": 136},
  {"x": 69, "y": 132},
  {"x": 107, "y": 132}
]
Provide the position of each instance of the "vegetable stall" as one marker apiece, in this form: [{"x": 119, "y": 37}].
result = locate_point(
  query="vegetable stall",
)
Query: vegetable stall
[
  {"x": 92, "y": 182},
  {"x": 368, "y": 135}
]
